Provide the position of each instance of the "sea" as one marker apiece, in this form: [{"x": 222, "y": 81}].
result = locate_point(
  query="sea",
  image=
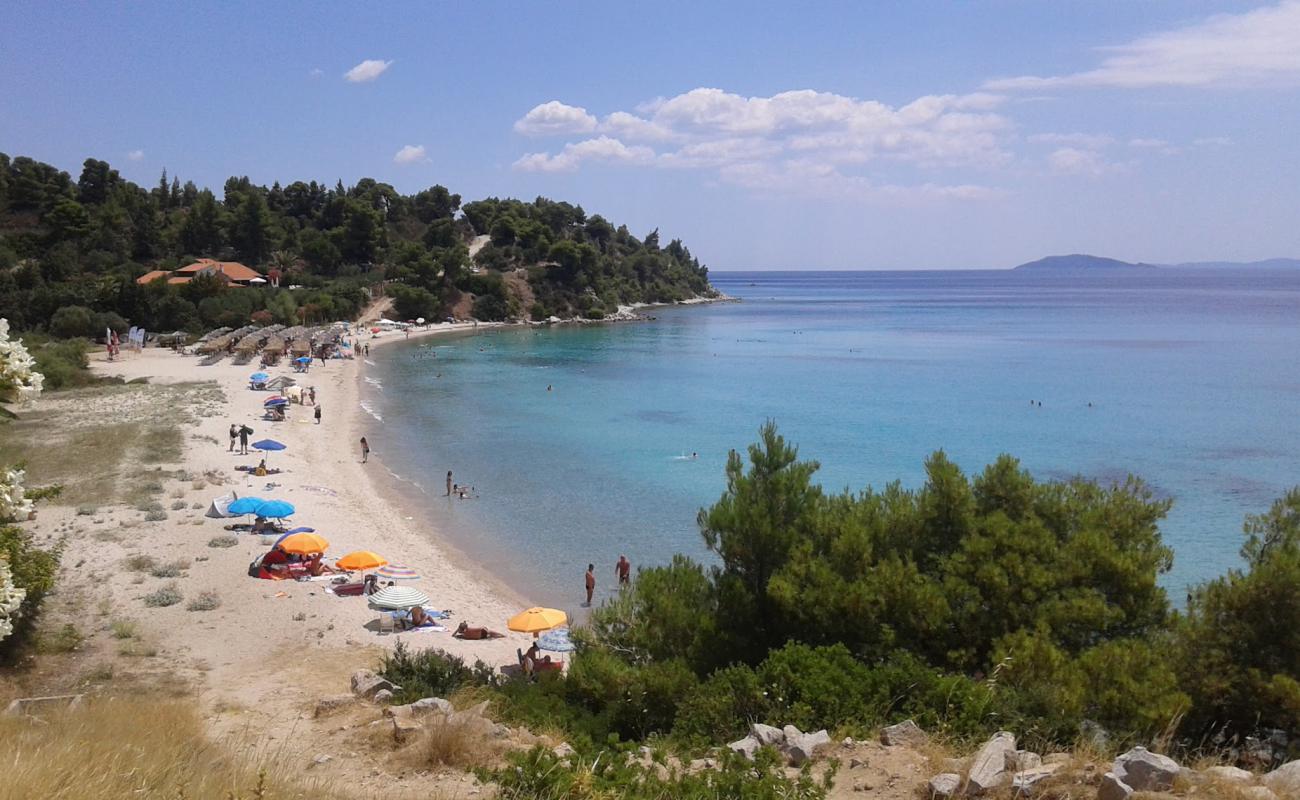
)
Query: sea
[{"x": 586, "y": 442}]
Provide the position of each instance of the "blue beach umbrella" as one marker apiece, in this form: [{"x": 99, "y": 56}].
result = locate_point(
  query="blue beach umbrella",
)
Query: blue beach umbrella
[
  {"x": 275, "y": 401},
  {"x": 556, "y": 640},
  {"x": 244, "y": 505},
  {"x": 275, "y": 509},
  {"x": 303, "y": 360},
  {"x": 268, "y": 444},
  {"x": 259, "y": 377}
]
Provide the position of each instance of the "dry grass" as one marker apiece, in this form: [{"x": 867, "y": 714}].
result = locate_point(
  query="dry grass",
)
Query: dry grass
[
  {"x": 135, "y": 748},
  {"x": 459, "y": 743}
]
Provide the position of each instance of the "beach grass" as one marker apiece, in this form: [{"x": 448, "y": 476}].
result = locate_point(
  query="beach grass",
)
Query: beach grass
[{"x": 141, "y": 748}]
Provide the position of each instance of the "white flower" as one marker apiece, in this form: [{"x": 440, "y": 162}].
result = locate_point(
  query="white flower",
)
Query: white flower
[
  {"x": 11, "y": 599},
  {"x": 14, "y": 505},
  {"x": 18, "y": 378}
]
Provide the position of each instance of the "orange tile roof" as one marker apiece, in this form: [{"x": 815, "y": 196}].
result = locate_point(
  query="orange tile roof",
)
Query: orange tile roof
[
  {"x": 179, "y": 279},
  {"x": 231, "y": 269},
  {"x": 150, "y": 277}
]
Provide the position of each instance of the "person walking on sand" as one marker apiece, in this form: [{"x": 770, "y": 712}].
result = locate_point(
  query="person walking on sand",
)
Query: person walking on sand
[
  {"x": 311, "y": 394},
  {"x": 623, "y": 569},
  {"x": 365, "y": 450},
  {"x": 244, "y": 431},
  {"x": 234, "y": 436},
  {"x": 449, "y": 483},
  {"x": 591, "y": 582},
  {"x": 317, "y": 415}
]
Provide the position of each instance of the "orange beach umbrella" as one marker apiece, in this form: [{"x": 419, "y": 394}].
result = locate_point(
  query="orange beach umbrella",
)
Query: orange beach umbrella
[
  {"x": 361, "y": 559},
  {"x": 303, "y": 544},
  {"x": 536, "y": 620}
]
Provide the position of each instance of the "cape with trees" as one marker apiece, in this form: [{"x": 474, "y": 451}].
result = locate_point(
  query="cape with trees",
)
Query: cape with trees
[{"x": 71, "y": 251}]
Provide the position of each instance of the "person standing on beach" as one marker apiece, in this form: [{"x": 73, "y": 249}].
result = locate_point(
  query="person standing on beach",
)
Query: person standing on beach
[
  {"x": 365, "y": 450},
  {"x": 311, "y": 394},
  {"x": 317, "y": 415},
  {"x": 449, "y": 483},
  {"x": 234, "y": 436},
  {"x": 591, "y": 582},
  {"x": 623, "y": 570},
  {"x": 244, "y": 431}
]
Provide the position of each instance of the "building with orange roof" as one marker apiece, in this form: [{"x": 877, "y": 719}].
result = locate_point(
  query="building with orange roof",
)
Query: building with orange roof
[{"x": 232, "y": 272}]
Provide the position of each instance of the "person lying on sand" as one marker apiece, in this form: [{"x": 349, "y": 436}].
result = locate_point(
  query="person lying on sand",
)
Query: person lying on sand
[
  {"x": 316, "y": 567},
  {"x": 464, "y": 631}
]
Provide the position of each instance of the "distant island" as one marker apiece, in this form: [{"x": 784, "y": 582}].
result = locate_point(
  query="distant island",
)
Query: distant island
[{"x": 1080, "y": 262}]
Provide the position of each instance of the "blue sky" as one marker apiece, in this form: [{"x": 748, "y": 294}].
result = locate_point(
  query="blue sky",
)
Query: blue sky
[{"x": 765, "y": 135}]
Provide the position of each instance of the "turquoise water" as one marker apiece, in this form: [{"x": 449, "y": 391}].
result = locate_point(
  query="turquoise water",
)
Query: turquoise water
[{"x": 1193, "y": 377}]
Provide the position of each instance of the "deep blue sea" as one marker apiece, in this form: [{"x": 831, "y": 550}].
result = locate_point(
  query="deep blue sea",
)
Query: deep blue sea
[{"x": 1193, "y": 379}]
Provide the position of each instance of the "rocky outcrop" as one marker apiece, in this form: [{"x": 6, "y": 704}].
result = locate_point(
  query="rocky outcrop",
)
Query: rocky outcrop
[
  {"x": 804, "y": 747},
  {"x": 906, "y": 732},
  {"x": 1112, "y": 788},
  {"x": 988, "y": 770},
  {"x": 944, "y": 785},
  {"x": 332, "y": 703},
  {"x": 1285, "y": 779},
  {"x": 797, "y": 747},
  {"x": 1225, "y": 774},
  {"x": 1144, "y": 771},
  {"x": 365, "y": 683}
]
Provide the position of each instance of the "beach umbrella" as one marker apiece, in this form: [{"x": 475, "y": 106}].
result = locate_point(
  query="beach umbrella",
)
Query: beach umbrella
[
  {"x": 556, "y": 640},
  {"x": 258, "y": 377},
  {"x": 292, "y": 531},
  {"x": 303, "y": 360},
  {"x": 268, "y": 444},
  {"x": 244, "y": 505},
  {"x": 275, "y": 509},
  {"x": 303, "y": 544},
  {"x": 398, "y": 597},
  {"x": 536, "y": 620},
  {"x": 361, "y": 559},
  {"x": 276, "y": 401},
  {"x": 397, "y": 572}
]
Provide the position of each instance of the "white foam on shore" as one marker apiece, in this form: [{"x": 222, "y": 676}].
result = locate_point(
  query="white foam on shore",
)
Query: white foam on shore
[
  {"x": 375, "y": 383},
  {"x": 366, "y": 408},
  {"x": 368, "y": 361}
]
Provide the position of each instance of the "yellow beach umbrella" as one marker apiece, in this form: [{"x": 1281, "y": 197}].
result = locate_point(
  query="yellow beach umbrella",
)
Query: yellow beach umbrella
[
  {"x": 361, "y": 559},
  {"x": 536, "y": 620},
  {"x": 303, "y": 544}
]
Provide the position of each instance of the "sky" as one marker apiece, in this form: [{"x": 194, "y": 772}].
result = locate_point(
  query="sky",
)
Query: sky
[{"x": 810, "y": 135}]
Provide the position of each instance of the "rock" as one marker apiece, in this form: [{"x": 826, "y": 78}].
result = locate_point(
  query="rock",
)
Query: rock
[
  {"x": 499, "y": 731},
  {"x": 383, "y": 696},
  {"x": 1258, "y": 793},
  {"x": 1057, "y": 758},
  {"x": 1112, "y": 788},
  {"x": 746, "y": 747},
  {"x": 854, "y": 763},
  {"x": 1285, "y": 779},
  {"x": 322, "y": 759},
  {"x": 989, "y": 768},
  {"x": 906, "y": 732},
  {"x": 328, "y": 705},
  {"x": 766, "y": 735},
  {"x": 789, "y": 733},
  {"x": 701, "y": 764},
  {"x": 365, "y": 683},
  {"x": 805, "y": 746},
  {"x": 943, "y": 785},
  {"x": 1230, "y": 774},
  {"x": 1145, "y": 771},
  {"x": 563, "y": 750},
  {"x": 1026, "y": 779},
  {"x": 32, "y": 705},
  {"x": 428, "y": 705},
  {"x": 404, "y": 729},
  {"x": 1021, "y": 760}
]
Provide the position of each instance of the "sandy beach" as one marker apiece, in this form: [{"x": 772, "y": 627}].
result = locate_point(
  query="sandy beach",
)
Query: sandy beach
[{"x": 261, "y": 659}]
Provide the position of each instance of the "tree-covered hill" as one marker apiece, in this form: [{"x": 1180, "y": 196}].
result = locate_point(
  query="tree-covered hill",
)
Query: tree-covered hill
[{"x": 80, "y": 245}]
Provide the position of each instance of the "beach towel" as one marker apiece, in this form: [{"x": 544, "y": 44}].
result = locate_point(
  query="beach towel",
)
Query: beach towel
[
  {"x": 306, "y": 578},
  {"x": 426, "y": 629}
]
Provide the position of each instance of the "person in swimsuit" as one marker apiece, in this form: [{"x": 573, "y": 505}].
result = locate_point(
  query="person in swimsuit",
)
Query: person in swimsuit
[{"x": 623, "y": 569}]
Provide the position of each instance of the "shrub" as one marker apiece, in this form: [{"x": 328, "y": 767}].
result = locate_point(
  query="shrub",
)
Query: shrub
[
  {"x": 459, "y": 742},
  {"x": 168, "y": 595},
  {"x": 140, "y": 563},
  {"x": 155, "y": 515},
  {"x": 721, "y": 708},
  {"x": 178, "y": 505},
  {"x": 64, "y": 640},
  {"x": 122, "y": 629},
  {"x": 205, "y": 601},
  {"x": 224, "y": 540},
  {"x": 172, "y": 569},
  {"x": 431, "y": 673}
]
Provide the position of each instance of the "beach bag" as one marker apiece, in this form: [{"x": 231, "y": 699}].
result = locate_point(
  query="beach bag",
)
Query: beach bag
[{"x": 255, "y": 568}]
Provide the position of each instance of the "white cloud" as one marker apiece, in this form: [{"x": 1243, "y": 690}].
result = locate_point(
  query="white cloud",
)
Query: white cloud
[
  {"x": 410, "y": 154},
  {"x": 136, "y": 155},
  {"x": 600, "y": 149},
  {"x": 1073, "y": 161},
  {"x": 555, "y": 119},
  {"x": 798, "y": 135},
  {"x": 1256, "y": 48},
  {"x": 1091, "y": 141},
  {"x": 367, "y": 70},
  {"x": 315, "y": 72}
]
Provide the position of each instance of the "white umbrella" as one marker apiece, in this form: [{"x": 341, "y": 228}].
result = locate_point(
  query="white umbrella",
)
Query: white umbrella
[{"x": 398, "y": 597}]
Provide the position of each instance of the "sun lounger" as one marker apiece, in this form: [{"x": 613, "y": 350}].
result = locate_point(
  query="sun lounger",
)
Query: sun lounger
[{"x": 386, "y": 624}]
